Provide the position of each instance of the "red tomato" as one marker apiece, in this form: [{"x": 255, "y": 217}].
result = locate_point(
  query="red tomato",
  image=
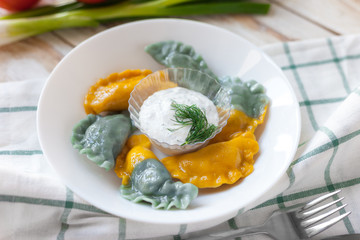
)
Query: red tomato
[
  {"x": 17, "y": 5},
  {"x": 91, "y": 1}
]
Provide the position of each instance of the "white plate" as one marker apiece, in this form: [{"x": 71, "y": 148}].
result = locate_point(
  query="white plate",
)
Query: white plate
[{"x": 122, "y": 47}]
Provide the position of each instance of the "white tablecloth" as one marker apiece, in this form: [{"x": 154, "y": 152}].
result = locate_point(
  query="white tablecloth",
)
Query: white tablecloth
[{"x": 324, "y": 73}]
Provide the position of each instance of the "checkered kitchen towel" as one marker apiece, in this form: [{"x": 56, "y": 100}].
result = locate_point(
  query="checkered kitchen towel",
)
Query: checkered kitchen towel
[{"x": 325, "y": 74}]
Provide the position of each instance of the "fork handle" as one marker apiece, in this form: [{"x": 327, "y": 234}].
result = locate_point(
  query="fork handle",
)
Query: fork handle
[{"x": 232, "y": 233}]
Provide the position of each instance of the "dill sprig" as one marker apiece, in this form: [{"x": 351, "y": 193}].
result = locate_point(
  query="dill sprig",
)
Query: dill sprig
[{"x": 186, "y": 115}]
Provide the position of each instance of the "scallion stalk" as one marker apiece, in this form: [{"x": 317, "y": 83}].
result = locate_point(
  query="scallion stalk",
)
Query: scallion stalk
[
  {"x": 45, "y": 10},
  {"x": 33, "y": 22}
]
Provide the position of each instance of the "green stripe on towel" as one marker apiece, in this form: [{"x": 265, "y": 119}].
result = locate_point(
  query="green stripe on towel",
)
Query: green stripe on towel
[
  {"x": 325, "y": 147},
  {"x": 300, "y": 85},
  {"x": 310, "y": 192},
  {"x": 321, "y": 101},
  {"x": 18, "y": 109},
  {"x": 328, "y": 61},
  {"x": 182, "y": 230},
  {"x": 122, "y": 229},
  {"x": 338, "y": 66},
  {"x": 234, "y": 226},
  {"x": 69, "y": 203},
  {"x": 21, "y": 152},
  {"x": 327, "y": 175},
  {"x": 49, "y": 202}
]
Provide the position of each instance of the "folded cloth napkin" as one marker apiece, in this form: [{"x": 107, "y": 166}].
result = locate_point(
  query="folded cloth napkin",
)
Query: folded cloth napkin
[{"x": 325, "y": 75}]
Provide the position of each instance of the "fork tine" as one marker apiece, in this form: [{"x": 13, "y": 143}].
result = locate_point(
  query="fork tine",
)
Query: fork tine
[
  {"x": 325, "y": 225},
  {"x": 319, "y": 199},
  {"x": 309, "y": 213},
  {"x": 321, "y": 217}
]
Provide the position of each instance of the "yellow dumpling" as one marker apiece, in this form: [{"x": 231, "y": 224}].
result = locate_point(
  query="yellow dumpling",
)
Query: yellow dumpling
[
  {"x": 112, "y": 93},
  {"x": 238, "y": 123},
  {"x": 216, "y": 164},
  {"x": 136, "y": 149}
]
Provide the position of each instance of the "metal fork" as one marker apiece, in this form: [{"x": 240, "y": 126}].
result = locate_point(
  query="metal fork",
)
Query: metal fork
[{"x": 292, "y": 223}]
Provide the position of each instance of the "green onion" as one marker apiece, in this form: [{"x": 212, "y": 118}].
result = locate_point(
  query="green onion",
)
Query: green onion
[
  {"x": 29, "y": 23},
  {"x": 191, "y": 115},
  {"x": 44, "y": 10}
]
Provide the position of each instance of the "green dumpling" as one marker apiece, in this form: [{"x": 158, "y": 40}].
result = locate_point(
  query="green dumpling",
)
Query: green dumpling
[
  {"x": 101, "y": 138},
  {"x": 151, "y": 182},
  {"x": 248, "y": 97},
  {"x": 178, "y": 55}
]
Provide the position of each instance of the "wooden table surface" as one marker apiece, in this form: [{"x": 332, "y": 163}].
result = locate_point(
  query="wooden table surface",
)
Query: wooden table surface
[{"x": 288, "y": 20}]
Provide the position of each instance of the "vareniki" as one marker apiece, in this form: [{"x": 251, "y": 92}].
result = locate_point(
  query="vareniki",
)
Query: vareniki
[{"x": 174, "y": 115}]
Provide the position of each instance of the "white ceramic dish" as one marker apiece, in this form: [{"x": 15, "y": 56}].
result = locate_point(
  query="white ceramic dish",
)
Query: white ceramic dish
[{"x": 120, "y": 48}]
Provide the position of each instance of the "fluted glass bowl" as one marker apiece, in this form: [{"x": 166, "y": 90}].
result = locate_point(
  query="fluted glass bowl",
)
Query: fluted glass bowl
[{"x": 186, "y": 78}]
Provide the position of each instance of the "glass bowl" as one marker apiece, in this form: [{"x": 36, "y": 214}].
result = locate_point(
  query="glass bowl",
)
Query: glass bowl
[{"x": 186, "y": 78}]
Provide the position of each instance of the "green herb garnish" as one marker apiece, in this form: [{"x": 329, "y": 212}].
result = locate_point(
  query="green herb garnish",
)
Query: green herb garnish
[{"x": 186, "y": 115}]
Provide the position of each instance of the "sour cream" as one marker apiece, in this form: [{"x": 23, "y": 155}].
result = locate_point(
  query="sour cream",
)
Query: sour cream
[{"x": 156, "y": 115}]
